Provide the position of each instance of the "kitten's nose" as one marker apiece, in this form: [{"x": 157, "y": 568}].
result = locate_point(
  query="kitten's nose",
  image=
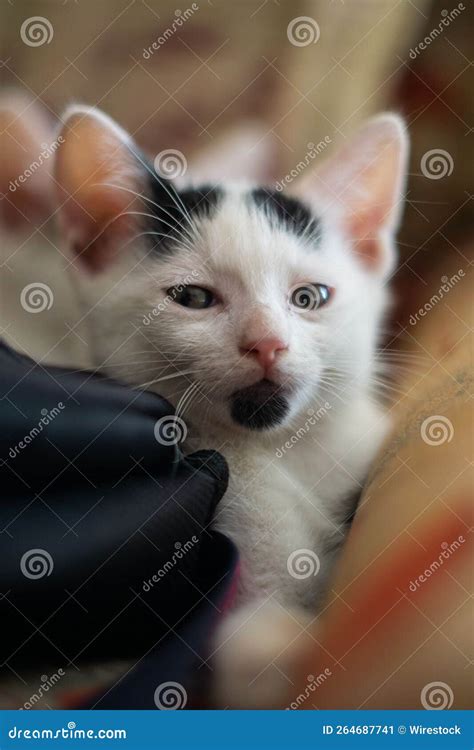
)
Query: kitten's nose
[{"x": 265, "y": 350}]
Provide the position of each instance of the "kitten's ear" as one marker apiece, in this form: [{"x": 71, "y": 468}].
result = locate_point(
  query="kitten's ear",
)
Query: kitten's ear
[
  {"x": 98, "y": 174},
  {"x": 362, "y": 187}
]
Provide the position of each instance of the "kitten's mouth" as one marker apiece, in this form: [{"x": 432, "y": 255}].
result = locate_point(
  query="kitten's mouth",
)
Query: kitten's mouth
[{"x": 260, "y": 406}]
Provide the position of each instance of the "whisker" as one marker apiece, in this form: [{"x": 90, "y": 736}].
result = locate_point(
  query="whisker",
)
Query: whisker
[
  {"x": 160, "y": 380},
  {"x": 185, "y": 399},
  {"x": 183, "y": 234},
  {"x": 160, "y": 182},
  {"x": 181, "y": 237},
  {"x": 144, "y": 197}
]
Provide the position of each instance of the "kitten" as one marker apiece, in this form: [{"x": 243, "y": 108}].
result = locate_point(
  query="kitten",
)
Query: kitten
[{"x": 257, "y": 313}]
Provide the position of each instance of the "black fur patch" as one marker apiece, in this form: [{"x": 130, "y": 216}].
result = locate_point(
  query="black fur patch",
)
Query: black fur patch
[
  {"x": 175, "y": 208},
  {"x": 259, "y": 406},
  {"x": 286, "y": 212}
]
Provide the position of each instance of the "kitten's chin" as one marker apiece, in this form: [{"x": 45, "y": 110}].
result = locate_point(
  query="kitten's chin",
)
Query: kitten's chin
[{"x": 261, "y": 406}]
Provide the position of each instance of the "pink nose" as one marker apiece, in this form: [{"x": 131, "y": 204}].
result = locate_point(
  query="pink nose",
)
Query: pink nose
[{"x": 265, "y": 350}]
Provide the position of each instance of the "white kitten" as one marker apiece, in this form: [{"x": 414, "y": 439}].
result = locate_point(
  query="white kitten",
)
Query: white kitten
[{"x": 258, "y": 313}]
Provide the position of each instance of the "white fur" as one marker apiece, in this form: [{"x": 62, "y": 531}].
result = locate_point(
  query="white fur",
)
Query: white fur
[{"x": 274, "y": 505}]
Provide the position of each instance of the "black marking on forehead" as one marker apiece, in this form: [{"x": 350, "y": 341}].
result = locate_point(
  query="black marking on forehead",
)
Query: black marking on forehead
[
  {"x": 173, "y": 210},
  {"x": 203, "y": 202},
  {"x": 287, "y": 213}
]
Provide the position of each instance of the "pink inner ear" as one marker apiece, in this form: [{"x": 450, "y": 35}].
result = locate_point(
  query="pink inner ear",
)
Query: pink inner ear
[
  {"x": 360, "y": 186},
  {"x": 370, "y": 251},
  {"x": 364, "y": 228},
  {"x": 98, "y": 178},
  {"x": 96, "y": 238}
]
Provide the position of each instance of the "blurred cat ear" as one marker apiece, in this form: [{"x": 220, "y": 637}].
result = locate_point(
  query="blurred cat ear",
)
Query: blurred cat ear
[
  {"x": 98, "y": 175},
  {"x": 26, "y": 148},
  {"x": 247, "y": 152},
  {"x": 361, "y": 186}
]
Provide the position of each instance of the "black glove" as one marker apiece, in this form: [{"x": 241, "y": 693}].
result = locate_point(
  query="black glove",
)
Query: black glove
[{"x": 104, "y": 524}]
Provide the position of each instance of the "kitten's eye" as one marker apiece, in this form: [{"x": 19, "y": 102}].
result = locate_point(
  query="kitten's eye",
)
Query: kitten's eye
[
  {"x": 192, "y": 296},
  {"x": 309, "y": 296}
]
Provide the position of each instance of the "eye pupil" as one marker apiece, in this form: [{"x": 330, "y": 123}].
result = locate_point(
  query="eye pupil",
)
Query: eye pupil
[
  {"x": 309, "y": 296},
  {"x": 195, "y": 297}
]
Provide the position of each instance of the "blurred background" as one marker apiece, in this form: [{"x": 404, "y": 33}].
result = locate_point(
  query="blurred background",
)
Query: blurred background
[{"x": 180, "y": 77}]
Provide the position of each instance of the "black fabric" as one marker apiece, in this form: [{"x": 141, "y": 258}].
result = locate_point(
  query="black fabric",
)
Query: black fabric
[
  {"x": 111, "y": 507},
  {"x": 181, "y": 656}
]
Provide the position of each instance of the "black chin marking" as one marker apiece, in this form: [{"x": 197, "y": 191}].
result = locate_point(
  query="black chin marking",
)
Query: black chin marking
[{"x": 259, "y": 406}]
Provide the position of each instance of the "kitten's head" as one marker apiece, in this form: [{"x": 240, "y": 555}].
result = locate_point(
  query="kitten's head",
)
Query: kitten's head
[{"x": 268, "y": 302}]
